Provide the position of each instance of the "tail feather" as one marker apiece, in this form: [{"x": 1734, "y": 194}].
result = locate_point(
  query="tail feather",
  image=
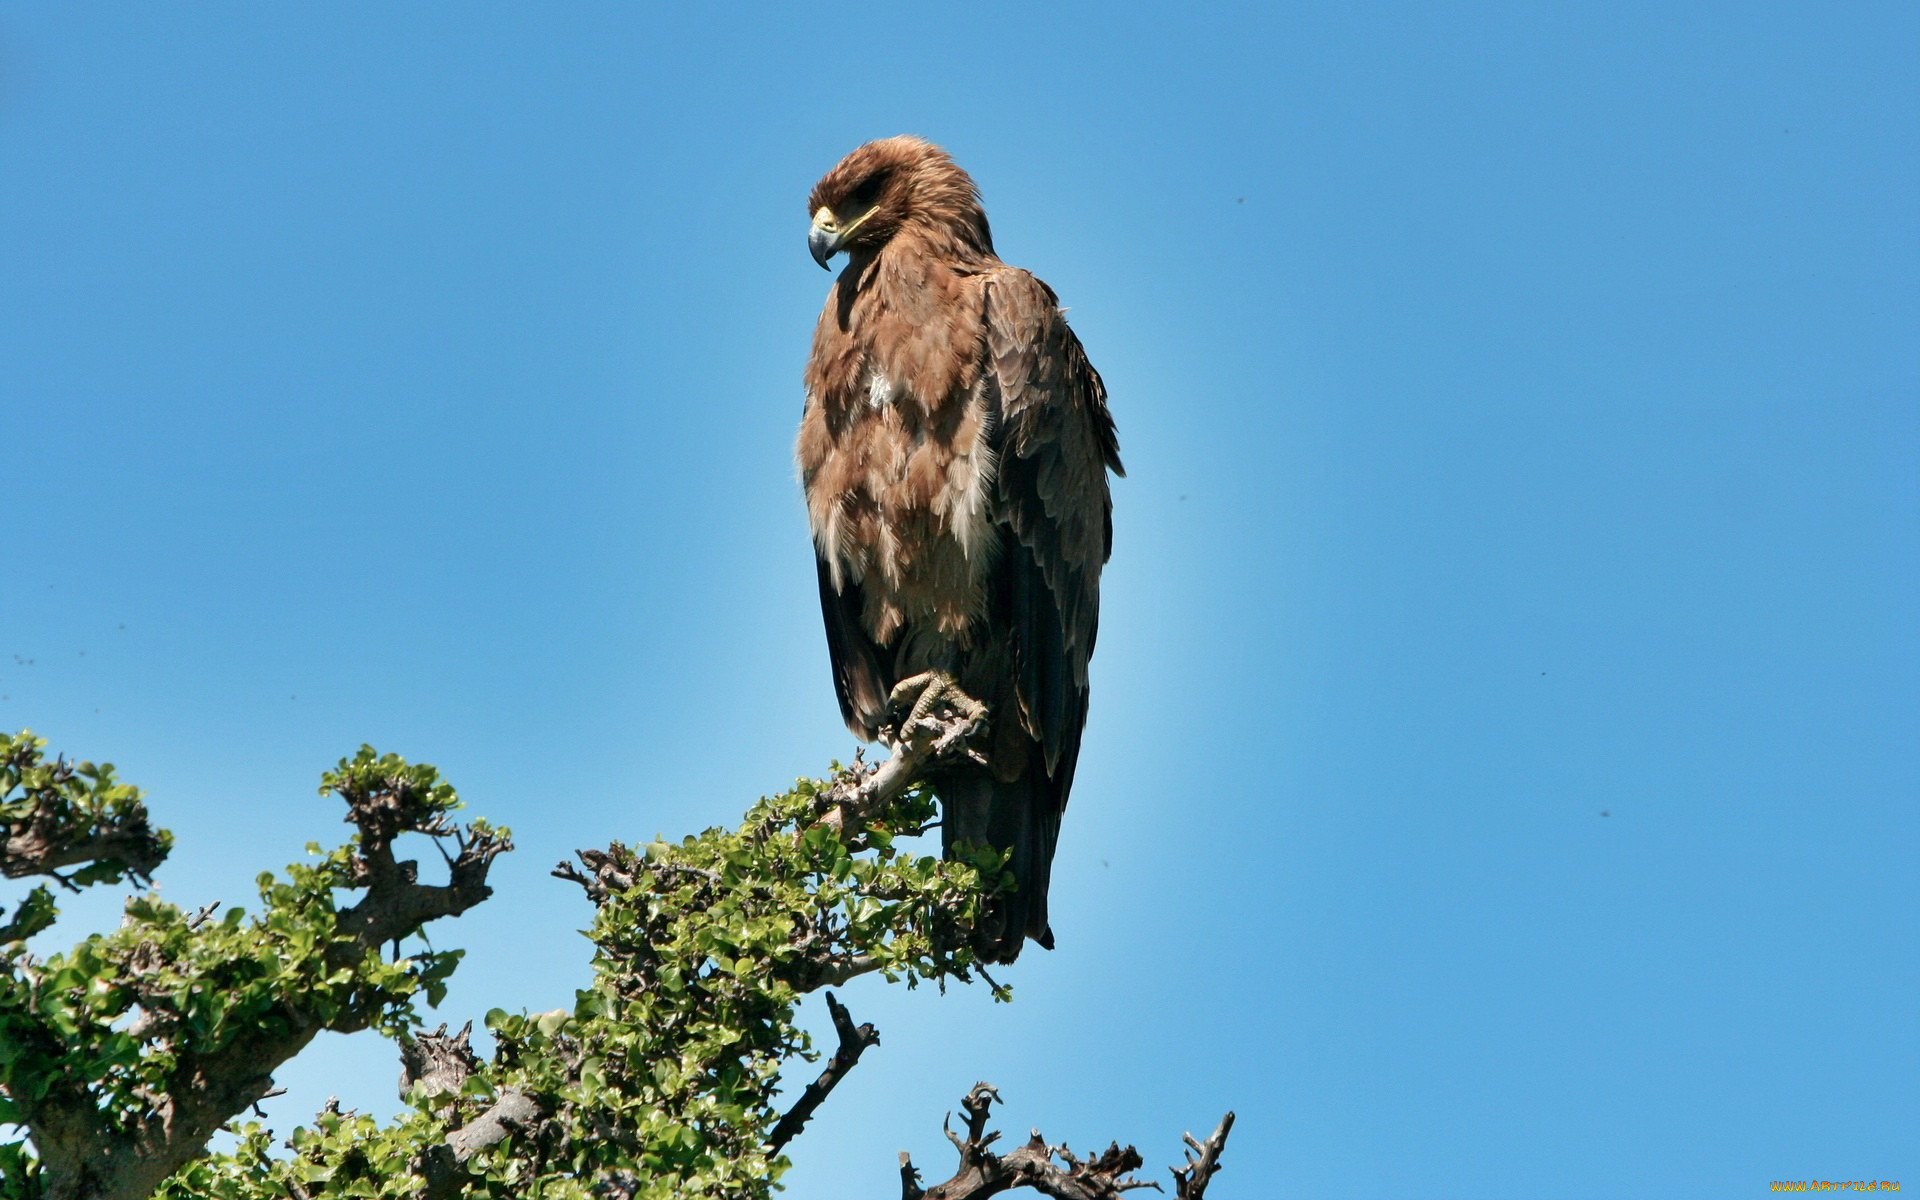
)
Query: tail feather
[{"x": 1019, "y": 816}]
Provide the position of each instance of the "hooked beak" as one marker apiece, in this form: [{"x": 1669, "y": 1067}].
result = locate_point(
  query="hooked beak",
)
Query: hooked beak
[
  {"x": 823, "y": 240},
  {"x": 828, "y": 236}
]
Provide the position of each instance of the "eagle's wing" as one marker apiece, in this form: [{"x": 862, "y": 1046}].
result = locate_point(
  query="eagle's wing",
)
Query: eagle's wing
[
  {"x": 858, "y": 676},
  {"x": 1055, "y": 443}
]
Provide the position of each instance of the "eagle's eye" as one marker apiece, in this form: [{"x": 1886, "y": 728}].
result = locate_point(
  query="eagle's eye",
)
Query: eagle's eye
[{"x": 868, "y": 191}]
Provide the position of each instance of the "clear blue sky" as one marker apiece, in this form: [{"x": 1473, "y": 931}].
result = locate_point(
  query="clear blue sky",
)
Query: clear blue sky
[{"x": 1505, "y": 746}]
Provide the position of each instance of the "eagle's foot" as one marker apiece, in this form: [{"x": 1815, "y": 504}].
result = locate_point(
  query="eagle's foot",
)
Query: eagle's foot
[{"x": 922, "y": 698}]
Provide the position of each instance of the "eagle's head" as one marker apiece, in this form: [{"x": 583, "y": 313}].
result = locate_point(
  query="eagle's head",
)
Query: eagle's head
[{"x": 890, "y": 185}]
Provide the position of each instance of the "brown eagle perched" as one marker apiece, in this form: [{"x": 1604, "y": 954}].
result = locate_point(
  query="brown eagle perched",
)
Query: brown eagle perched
[{"x": 954, "y": 451}]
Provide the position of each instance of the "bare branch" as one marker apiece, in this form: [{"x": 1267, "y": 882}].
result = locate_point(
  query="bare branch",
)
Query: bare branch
[
  {"x": 1106, "y": 1176},
  {"x": 853, "y": 1042},
  {"x": 1190, "y": 1181},
  {"x": 443, "y": 1061},
  {"x": 612, "y": 870}
]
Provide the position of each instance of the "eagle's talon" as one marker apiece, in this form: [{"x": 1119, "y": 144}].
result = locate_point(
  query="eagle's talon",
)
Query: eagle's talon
[
  {"x": 913, "y": 696},
  {"x": 918, "y": 694},
  {"x": 913, "y": 704}
]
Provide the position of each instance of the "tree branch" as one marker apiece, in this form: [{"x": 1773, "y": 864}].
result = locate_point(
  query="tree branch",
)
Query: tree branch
[
  {"x": 62, "y": 814},
  {"x": 1190, "y": 1181},
  {"x": 938, "y": 737},
  {"x": 88, "y": 1150},
  {"x": 443, "y": 1061},
  {"x": 857, "y": 794},
  {"x": 854, "y": 1041},
  {"x": 41, "y": 845},
  {"x": 444, "y": 1166},
  {"x": 1104, "y": 1177},
  {"x": 396, "y": 904}
]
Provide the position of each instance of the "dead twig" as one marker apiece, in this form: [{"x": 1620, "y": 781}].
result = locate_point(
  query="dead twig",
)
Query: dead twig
[
  {"x": 1104, "y": 1177},
  {"x": 854, "y": 1040}
]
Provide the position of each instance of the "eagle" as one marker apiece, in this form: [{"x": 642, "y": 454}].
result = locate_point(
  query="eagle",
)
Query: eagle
[{"x": 954, "y": 451}]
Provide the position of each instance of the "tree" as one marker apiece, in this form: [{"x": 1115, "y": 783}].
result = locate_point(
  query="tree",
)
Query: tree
[{"x": 123, "y": 1056}]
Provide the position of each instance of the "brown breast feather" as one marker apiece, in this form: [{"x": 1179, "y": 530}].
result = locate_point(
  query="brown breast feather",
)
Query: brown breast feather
[
  {"x": 986, "y": 469},
  {"x": 893, "y": 448}
]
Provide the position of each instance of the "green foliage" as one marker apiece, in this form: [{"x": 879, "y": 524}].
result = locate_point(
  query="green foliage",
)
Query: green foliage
[
  {"x": 58, "y": 814},
  {"x": 660, "y": 1080},
  {"x": 135, "y": 1021},
  {"x": 33, "y": 915},
  {"x": 393, "y": 794}
]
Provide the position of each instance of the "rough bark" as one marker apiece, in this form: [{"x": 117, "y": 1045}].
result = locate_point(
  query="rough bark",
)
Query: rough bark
[
  {"x": 854, "y": 1040},
  {"x": 1190, "y": 1181},
  {"x": 66, "y": 824},
  {"x": 1051, "y": 1170},
  {"x": 440, "y": 1060},
  {"x": 443, "y": 1167}
]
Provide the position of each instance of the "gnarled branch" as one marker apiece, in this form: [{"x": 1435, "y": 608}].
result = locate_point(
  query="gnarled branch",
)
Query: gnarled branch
[
  {"x": 854, "y": 1041},
  {"x": 443, "y": 1168},
  {"x": 442, "y": 1060},
  {"x": 1190, "y": 1181},
  {"x": 66, "y": 814},
  {"x": 396, "y": 903},
  {"x": 1106, "y": 1176}
]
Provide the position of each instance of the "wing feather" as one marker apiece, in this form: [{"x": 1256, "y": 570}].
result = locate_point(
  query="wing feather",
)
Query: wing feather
[
  {"x": 1055, "y": 443},
  {"x": 858, "y": 679}
]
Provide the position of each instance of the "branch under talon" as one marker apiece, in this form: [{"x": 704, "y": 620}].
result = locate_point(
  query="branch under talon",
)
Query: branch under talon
[{"x": 939, "y": 735}]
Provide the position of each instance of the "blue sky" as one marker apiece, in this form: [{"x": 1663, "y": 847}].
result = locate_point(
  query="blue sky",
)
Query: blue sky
[{"x": 1506, "y": 728}]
